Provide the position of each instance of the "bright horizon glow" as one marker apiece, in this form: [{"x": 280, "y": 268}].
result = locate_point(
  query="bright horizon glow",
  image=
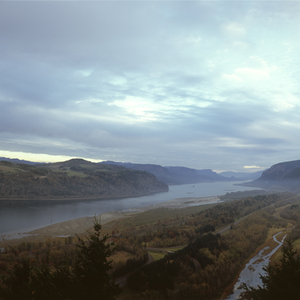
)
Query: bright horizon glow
[
  {"x": 46, "y": 158},
  {"x": 40, "y": 157},
  {"x": 254, "y": 167}
]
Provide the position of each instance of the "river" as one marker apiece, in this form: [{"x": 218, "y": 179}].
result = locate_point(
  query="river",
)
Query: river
[
  {"x": 23, "y": 219},
  {"x": 251, "y": 273}
]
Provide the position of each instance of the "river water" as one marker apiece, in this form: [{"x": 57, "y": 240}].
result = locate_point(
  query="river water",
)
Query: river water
[
  {"x": 250, "y": 274},
  {"x": 23, "y": 219}
]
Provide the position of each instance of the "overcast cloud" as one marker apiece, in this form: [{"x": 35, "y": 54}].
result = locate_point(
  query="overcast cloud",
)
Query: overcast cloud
[{"x": 202, "y": 84}]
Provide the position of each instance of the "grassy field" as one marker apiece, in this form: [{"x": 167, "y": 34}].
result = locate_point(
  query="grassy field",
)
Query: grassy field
[
  {"x": 121, "y": 256},
  {"x": 7, "y": 169},
  {"x": 175, "y": 248},
  {"x": 157, "y": 255}
]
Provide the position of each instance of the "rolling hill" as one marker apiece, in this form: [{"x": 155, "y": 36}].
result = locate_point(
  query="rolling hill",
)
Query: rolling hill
[{"x": 76, "y": 178}]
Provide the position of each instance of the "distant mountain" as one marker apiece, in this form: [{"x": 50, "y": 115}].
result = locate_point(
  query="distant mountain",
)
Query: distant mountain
[
  {"x": 242, "y": 175},
  {"x": 73, "y": 179},
  {"x": 161, "y": 173},
  {"x": 174, "y": 175},
  {"x": 209, "y": 173},
  {"x": 284, "y": 175},
  {"x": 187, "y": 175},
  {"x": 282, "y": 171},
  {"x": 18, "y": 161}
]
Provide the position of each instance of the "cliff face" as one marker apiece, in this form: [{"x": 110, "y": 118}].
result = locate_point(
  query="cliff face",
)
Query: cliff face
[
  {"x": 285, "y": 175},
  {"x": 282, "y": 170},
  {"x": 73, "y": 179}
]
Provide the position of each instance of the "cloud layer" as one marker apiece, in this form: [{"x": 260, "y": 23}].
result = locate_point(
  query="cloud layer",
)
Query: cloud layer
[{"x": 202, "y": 84}]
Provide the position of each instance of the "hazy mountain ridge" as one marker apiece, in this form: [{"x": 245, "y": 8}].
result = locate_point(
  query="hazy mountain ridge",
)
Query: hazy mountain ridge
[
  {"x": 242, "y": 175},
  {"x": 171, "y": 175},
  {"x": 281, "y": 176},
  {"x": 187, "y": 175},
  {"x": 174, "y": 175},
  {"x": 73, "y": 179},
  {"x": 18, "y": 161}
]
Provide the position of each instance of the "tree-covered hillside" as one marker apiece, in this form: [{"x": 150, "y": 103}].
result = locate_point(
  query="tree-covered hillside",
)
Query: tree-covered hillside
[{"x": 74, "y": 178}]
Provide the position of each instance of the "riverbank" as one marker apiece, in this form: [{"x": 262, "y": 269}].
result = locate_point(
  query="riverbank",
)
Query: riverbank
[
  {"x": 80, "y": 225},
  {"x": 79, "y": 198}
]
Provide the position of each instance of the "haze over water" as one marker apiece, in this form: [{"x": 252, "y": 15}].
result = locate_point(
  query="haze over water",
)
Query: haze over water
[{"x": 27, "y": 218}]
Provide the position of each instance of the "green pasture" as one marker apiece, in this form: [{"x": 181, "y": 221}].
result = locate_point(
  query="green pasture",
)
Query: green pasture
[
  {"x": 7, "y": 169},
  {"x": 174, "y": 249},
  {"x": 157, "y": 255}
]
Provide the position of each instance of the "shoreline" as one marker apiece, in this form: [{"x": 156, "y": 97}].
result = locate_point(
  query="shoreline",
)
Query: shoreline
[
  {"x": 80, "y": 225},
  {"x": 79, "y": 198}
]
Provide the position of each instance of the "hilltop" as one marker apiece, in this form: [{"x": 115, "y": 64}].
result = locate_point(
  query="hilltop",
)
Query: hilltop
[{"x": 76, "y": 178}]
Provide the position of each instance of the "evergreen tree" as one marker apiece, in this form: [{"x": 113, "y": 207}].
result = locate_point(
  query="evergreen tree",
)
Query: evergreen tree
[
  {"x": 88, "y": 278},
  {"x": 91, "y": 277},
  {"x": 282, "y": 280}
]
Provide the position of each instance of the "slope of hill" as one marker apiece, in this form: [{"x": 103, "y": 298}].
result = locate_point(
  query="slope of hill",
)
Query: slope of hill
[
  {"x": 284, "y": 175},
  {"x": 174, "y": 175},
  {"x": 75, "y": 178},
  {"x": 160, "y": 172},
  {"x": 284, "y": 170}
]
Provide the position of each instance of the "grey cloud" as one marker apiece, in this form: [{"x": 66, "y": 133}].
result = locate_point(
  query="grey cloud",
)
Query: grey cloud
[{"x": 66, "y": 68}]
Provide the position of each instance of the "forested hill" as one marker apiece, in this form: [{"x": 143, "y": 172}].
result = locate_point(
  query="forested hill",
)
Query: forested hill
[
  {"x": 76, "y": 178},
  {"x": 284, "y": 175}
]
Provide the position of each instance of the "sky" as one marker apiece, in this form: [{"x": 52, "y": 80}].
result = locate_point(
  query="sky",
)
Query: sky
[{"x": 201, "y": 84}]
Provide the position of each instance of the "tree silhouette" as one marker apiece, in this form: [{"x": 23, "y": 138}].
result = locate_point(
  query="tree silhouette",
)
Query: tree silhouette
[
  {"x": 92, "y": 280},
  {"x": 87, "y": 278}
]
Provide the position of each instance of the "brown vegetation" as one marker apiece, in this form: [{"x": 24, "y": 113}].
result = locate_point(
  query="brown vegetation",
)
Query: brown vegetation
[{"x": 219, "y": 258}]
